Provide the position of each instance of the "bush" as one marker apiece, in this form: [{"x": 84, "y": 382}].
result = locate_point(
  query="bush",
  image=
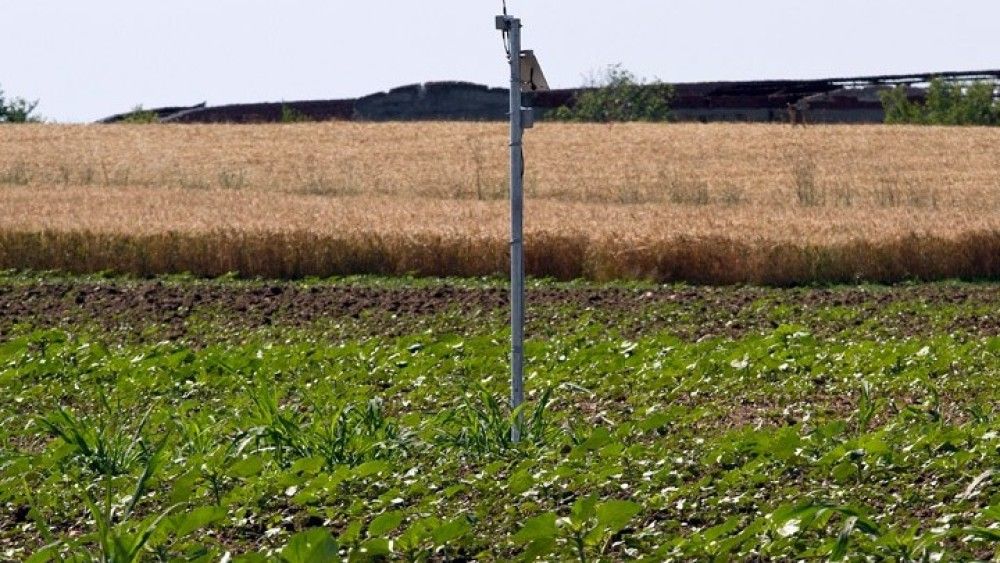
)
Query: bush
[
  {"x": 619, "y": 96},
  {"x": 140, "y": 115},
  {"x": 17, "y": 110},
  {"x": 947, "y": 103},
  {"x": 291, "y": 115}
]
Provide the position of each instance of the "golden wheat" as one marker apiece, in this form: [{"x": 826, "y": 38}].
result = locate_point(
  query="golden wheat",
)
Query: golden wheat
[{"x": 717, "y": 203}]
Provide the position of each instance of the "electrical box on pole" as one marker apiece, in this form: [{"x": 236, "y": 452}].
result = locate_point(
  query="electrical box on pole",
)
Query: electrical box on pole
[{"x": 525, "y": 74}]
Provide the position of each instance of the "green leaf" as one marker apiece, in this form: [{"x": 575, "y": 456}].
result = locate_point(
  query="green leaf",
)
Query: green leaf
[
  {"x": 376, "y": 547},
  {"x": 992, "y": 513},
  {"x": 985, "y": 534},
  {"x": 44, "y": 555},
  {"x": 840, "y": 547},
  {"x": 724, "y": 529},
  {"x": 844, "y": 472},
  {"x": 598, "y": 438},
  {"x": 370, "y": 468},
  {"x": 788, "y": 519},
  {"x": 248, "y": 467},
  {"x": 308, "y": 465},
  {"x": 385, "y": 523},
  {"x": 451, "y": 531},
  {"x": 583, "y": 508},
  {"x": 311, "y": 546},
  {"x": 539, "y": 548},
  {"x": 654, "y": 422},
  {"x": 614, "y": 515},
  {"x": 251, "y": 558},
  {"x": 137, "y": 543},
  {"x": 184, "y": 524},
  {"x": 184, "y": 487},
  {"x": 352, "y": 533},
  {"x": 520, "y": 482},
  {"x": 783, "y": 445},
  {"x": 418, "y": 532},
  {"x": 861, "y": 522},
  {"x": 542, "y": 526},
  {"x": 832, "y": 429}
]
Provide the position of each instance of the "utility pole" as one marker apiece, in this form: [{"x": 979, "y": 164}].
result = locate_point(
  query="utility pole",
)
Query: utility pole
[{"x": 522, "y": 64}]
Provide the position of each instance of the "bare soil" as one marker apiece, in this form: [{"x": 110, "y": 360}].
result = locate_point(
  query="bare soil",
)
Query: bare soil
[{"x": 690, "y": 312}]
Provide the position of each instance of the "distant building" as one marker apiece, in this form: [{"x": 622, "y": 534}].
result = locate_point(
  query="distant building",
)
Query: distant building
[{"x": 835, "y": 100}]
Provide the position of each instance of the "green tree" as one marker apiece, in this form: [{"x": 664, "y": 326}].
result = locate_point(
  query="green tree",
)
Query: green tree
[
  {"x": 17, "y": 110},
  {"x": 947, "y": 103},
  {"x": 977, "y": 106},
  {"x": 898, "y": 107},
  {"x": 942, "y": 102},
  {"x": 618, "y": 95}
]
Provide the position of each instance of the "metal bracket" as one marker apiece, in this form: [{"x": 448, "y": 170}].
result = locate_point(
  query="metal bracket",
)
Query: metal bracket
[{"x": 504, "y": 23}]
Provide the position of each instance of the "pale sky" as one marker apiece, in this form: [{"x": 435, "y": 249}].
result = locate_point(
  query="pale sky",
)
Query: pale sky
[{"x": 88, "y": 59}]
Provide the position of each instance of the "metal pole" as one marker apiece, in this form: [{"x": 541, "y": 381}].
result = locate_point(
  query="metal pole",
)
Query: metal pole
[{"x": 516, "y": 230}]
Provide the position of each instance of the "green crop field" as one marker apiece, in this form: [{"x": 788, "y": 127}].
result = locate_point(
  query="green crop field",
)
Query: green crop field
[{"x": 366, "y": 419}]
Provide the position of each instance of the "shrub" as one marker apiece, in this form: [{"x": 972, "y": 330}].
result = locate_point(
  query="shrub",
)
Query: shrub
[
  {"x": 291, "y": 115},
  {"x": 140, "y": 115},
  {"x": 898, "y": 107},
  {"x": 618, "y": 95},
  {"x": 947, "y": 103},
  {"x": 17, "y": 110}
]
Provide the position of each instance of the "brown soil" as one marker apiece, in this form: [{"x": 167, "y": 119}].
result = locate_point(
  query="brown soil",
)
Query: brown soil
[{"x": 690, "y": 312}]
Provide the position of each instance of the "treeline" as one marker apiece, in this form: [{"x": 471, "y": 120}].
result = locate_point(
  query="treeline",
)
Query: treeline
[{"x": 947, "y": 103}]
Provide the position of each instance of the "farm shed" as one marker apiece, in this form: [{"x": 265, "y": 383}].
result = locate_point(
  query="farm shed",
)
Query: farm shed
[{"x": 834, "y": 100}]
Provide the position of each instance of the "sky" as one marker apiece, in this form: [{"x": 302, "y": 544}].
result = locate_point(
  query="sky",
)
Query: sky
[{"x": 86, "y": 60}]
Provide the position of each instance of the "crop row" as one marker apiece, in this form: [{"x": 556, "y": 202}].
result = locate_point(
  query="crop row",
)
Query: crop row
[{"x": 300, "y": 254}]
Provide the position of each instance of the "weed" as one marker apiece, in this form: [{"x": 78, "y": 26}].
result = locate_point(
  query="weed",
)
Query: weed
[
  {"x": 731, "y": 195},
  {"x": 844, "y": 195},
  {"x": 807, "y": 192},
  {"x": 17, "y": 174},
  {"x": 685, "y": 191},
  {"x": 124, "y": 540},
  {"x": 232, "y": 180},
  {"x": 65, "y": 174},
  {"x": 106, "y": 447},
  {"x": 344, "y": 436},
  {"x": 867, "y": 408},
  {"x": 922, "y": 197},
  {"x": 87, "y": 176},
  {"x": 476, "y": 150},
  {"x": 483, "y": 426}
]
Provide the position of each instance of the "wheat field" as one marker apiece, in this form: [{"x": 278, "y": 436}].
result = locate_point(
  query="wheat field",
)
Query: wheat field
[{"x": 720, "y": 203}]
